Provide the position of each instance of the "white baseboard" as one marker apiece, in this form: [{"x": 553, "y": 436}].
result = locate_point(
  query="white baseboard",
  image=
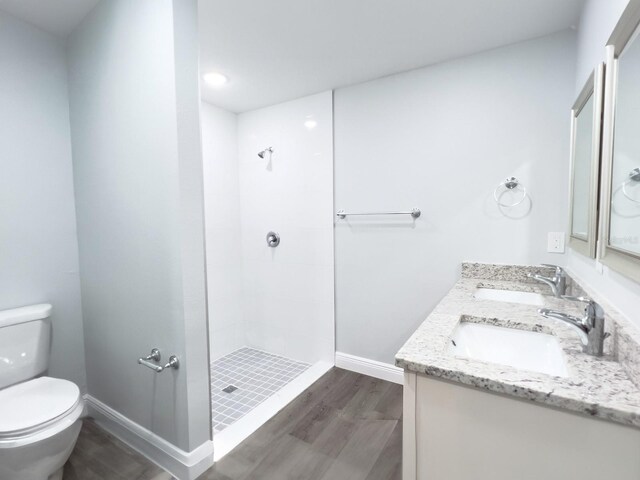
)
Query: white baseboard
[
  {"x": 182, "y": 465},
  {"x": 373, "y": 368}
]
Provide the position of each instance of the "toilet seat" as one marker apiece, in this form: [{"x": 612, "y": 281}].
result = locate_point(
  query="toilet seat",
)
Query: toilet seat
[{"x": 37, "y": 409}]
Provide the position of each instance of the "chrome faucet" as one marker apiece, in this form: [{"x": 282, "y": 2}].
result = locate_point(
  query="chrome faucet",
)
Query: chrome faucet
[
  {"x": 590, "y": 327},
  {"x": 558, "y": 282}
]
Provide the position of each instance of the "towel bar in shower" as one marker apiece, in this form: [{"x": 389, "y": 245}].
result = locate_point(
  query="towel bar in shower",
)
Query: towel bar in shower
[{"x": 415, "y": 213}]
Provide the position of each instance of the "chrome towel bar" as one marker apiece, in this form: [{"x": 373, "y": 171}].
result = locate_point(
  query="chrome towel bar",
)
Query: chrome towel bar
[{"x": 415, "y": 213}]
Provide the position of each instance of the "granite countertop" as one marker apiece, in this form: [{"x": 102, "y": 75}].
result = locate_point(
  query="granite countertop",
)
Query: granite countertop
[{"x": 599, "y": 387}]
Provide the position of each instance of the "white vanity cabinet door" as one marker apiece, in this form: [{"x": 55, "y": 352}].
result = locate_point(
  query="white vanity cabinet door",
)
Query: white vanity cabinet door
[{"x": 453, "y": 432}]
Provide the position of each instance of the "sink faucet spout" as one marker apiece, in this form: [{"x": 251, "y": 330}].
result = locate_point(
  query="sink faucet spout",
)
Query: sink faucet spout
[
  {"x": 570, "y": 319},
  {"x": 590, "y": 327},
  {"x": 558, "y": 282}
]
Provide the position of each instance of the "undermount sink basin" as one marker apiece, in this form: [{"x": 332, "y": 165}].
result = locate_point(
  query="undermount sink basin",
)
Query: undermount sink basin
[
  {"x": 521, "y": 349},
  {"x": 526, "y": 298}
]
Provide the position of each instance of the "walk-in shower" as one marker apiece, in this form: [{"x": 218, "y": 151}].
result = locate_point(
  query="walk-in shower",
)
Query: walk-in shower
[
  {"x": 244, "y": 379},
  {"x": 270, "y": 302}
]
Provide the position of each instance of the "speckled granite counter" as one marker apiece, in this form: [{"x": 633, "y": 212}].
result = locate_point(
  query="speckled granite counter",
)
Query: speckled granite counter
[{"x": 600, "y": 387}]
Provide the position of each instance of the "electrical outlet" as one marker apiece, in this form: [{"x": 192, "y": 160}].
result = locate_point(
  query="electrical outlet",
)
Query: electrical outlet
[{"x": 555, "y": 242}]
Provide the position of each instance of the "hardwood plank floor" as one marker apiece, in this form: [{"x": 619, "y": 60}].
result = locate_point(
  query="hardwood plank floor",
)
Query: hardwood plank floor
[
  {"x": 98, "y": 455},
  {"x": 345, "y": 426}
]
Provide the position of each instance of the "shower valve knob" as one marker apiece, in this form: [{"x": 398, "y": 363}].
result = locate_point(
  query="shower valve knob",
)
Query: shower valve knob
[{"x": 273, "y": 239}]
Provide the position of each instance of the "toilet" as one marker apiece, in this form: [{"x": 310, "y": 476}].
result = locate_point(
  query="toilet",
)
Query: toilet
[{"x": 40, "y": 417}]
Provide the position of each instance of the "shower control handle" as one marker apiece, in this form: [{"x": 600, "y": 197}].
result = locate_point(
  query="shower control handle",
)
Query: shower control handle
[{"x": 273, "y": 239}]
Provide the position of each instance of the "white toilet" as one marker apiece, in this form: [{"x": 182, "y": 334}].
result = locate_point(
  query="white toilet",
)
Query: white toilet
[{"x": 40, "y": 417}]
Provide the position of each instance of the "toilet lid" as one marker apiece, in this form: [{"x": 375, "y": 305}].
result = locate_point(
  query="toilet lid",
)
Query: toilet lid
[{"x": 29, "y": 404}]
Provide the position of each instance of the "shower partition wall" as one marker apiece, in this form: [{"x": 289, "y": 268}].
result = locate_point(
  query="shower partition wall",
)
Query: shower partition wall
[
  {"x": 288, "y": 290},
  {"x": 268, "y": 177}
]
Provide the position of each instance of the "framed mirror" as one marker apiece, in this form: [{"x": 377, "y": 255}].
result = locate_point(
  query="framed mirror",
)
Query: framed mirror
[
  {"x": 620, "y": 231},
  {"x": 586, "y": 125}
]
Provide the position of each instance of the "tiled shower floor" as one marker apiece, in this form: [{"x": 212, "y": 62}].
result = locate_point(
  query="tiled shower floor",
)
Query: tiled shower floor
[{"x": 256, "y": 376}]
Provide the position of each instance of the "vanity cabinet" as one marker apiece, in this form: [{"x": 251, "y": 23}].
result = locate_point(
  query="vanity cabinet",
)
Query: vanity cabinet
[{"x": 454, "y": 432}]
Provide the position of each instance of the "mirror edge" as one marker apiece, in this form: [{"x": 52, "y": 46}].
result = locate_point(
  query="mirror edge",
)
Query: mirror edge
[
  {"x": 623, "y": 263},
  {"x": 592, "y": 87}
]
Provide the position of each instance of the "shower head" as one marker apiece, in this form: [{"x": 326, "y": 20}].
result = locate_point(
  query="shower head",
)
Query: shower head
[{"x": 264, "y": 152}]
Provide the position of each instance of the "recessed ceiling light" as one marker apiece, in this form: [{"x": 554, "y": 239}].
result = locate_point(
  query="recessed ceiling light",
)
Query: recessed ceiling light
[
  {"x": 215, "y": 79},
  {"x": 310, "y": 124}
]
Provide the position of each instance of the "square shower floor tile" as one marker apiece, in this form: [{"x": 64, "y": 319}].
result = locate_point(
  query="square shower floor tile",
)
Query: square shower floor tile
[{"x": 244, "y": 379}]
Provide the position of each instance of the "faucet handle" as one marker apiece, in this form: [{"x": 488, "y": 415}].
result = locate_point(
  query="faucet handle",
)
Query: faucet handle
[
  {"x": 559, "y": 269},
  {"x": 593, "y": 311}
]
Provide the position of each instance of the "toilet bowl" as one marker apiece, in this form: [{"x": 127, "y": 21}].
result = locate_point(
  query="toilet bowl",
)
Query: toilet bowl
[
  {"x": 39, "y": 425},
  {"x": 40, "y": 418}
]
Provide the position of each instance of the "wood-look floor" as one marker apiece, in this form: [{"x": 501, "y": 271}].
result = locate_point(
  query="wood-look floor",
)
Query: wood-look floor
[
  {"x": 100, "y": 456},
  {"x": 345, "y": 426}
]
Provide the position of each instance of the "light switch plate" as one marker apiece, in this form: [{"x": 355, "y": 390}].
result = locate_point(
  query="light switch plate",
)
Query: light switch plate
[{"x": 555, "y": 242}]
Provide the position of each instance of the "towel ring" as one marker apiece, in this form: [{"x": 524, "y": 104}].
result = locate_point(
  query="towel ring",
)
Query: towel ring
[
  {"x": 510, "y": 184},
  {"x": 634, "y": 176}
]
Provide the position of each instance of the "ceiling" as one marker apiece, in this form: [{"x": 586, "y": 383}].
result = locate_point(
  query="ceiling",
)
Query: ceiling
[
  {"x": 59, "y": 17},
  {"x": 278, "y": 50}
]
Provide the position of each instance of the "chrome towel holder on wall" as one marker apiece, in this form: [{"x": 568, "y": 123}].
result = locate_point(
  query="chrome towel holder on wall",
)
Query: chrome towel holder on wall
[
  {"x": 510, "y": 184},
  {"x": 415, "y": 213}
]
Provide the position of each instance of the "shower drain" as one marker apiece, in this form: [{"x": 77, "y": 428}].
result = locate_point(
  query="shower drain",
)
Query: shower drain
[{"x": 229, "y": 389}]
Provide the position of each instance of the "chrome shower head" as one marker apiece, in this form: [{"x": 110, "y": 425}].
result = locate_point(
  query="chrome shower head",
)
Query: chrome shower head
[{"x": 264, "y": 152}]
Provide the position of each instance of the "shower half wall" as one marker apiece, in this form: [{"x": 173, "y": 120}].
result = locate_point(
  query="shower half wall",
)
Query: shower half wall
[{"x": 274, "y": 300}]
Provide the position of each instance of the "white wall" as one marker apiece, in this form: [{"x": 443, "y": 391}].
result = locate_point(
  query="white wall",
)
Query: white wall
[
  {"x": 138, "y": 182},
  {"x": 288, "y": 290},
  {"x": 441, "y": 138},
  {"x": 222, "y": 220},
  {"x": 38, "y": 246},
  {"x": 598, "y": 20}
]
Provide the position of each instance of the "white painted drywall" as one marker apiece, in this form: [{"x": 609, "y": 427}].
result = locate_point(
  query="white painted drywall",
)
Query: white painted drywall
[
  {"x": 598, "y": 20},
  {"x": 288, "y": 290},
  {"x": 138, "y": 183},
  {"x": 59, "y": 17},
  {"x": 441, "y": 138},
  {"x": 222, "y": 221},
  {"x": 193, "y": 388},
  {"x": 38, "y": 246}
]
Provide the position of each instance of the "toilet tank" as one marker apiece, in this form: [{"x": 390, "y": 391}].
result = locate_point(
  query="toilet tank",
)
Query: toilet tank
[{"x": 25, "y": 339}]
